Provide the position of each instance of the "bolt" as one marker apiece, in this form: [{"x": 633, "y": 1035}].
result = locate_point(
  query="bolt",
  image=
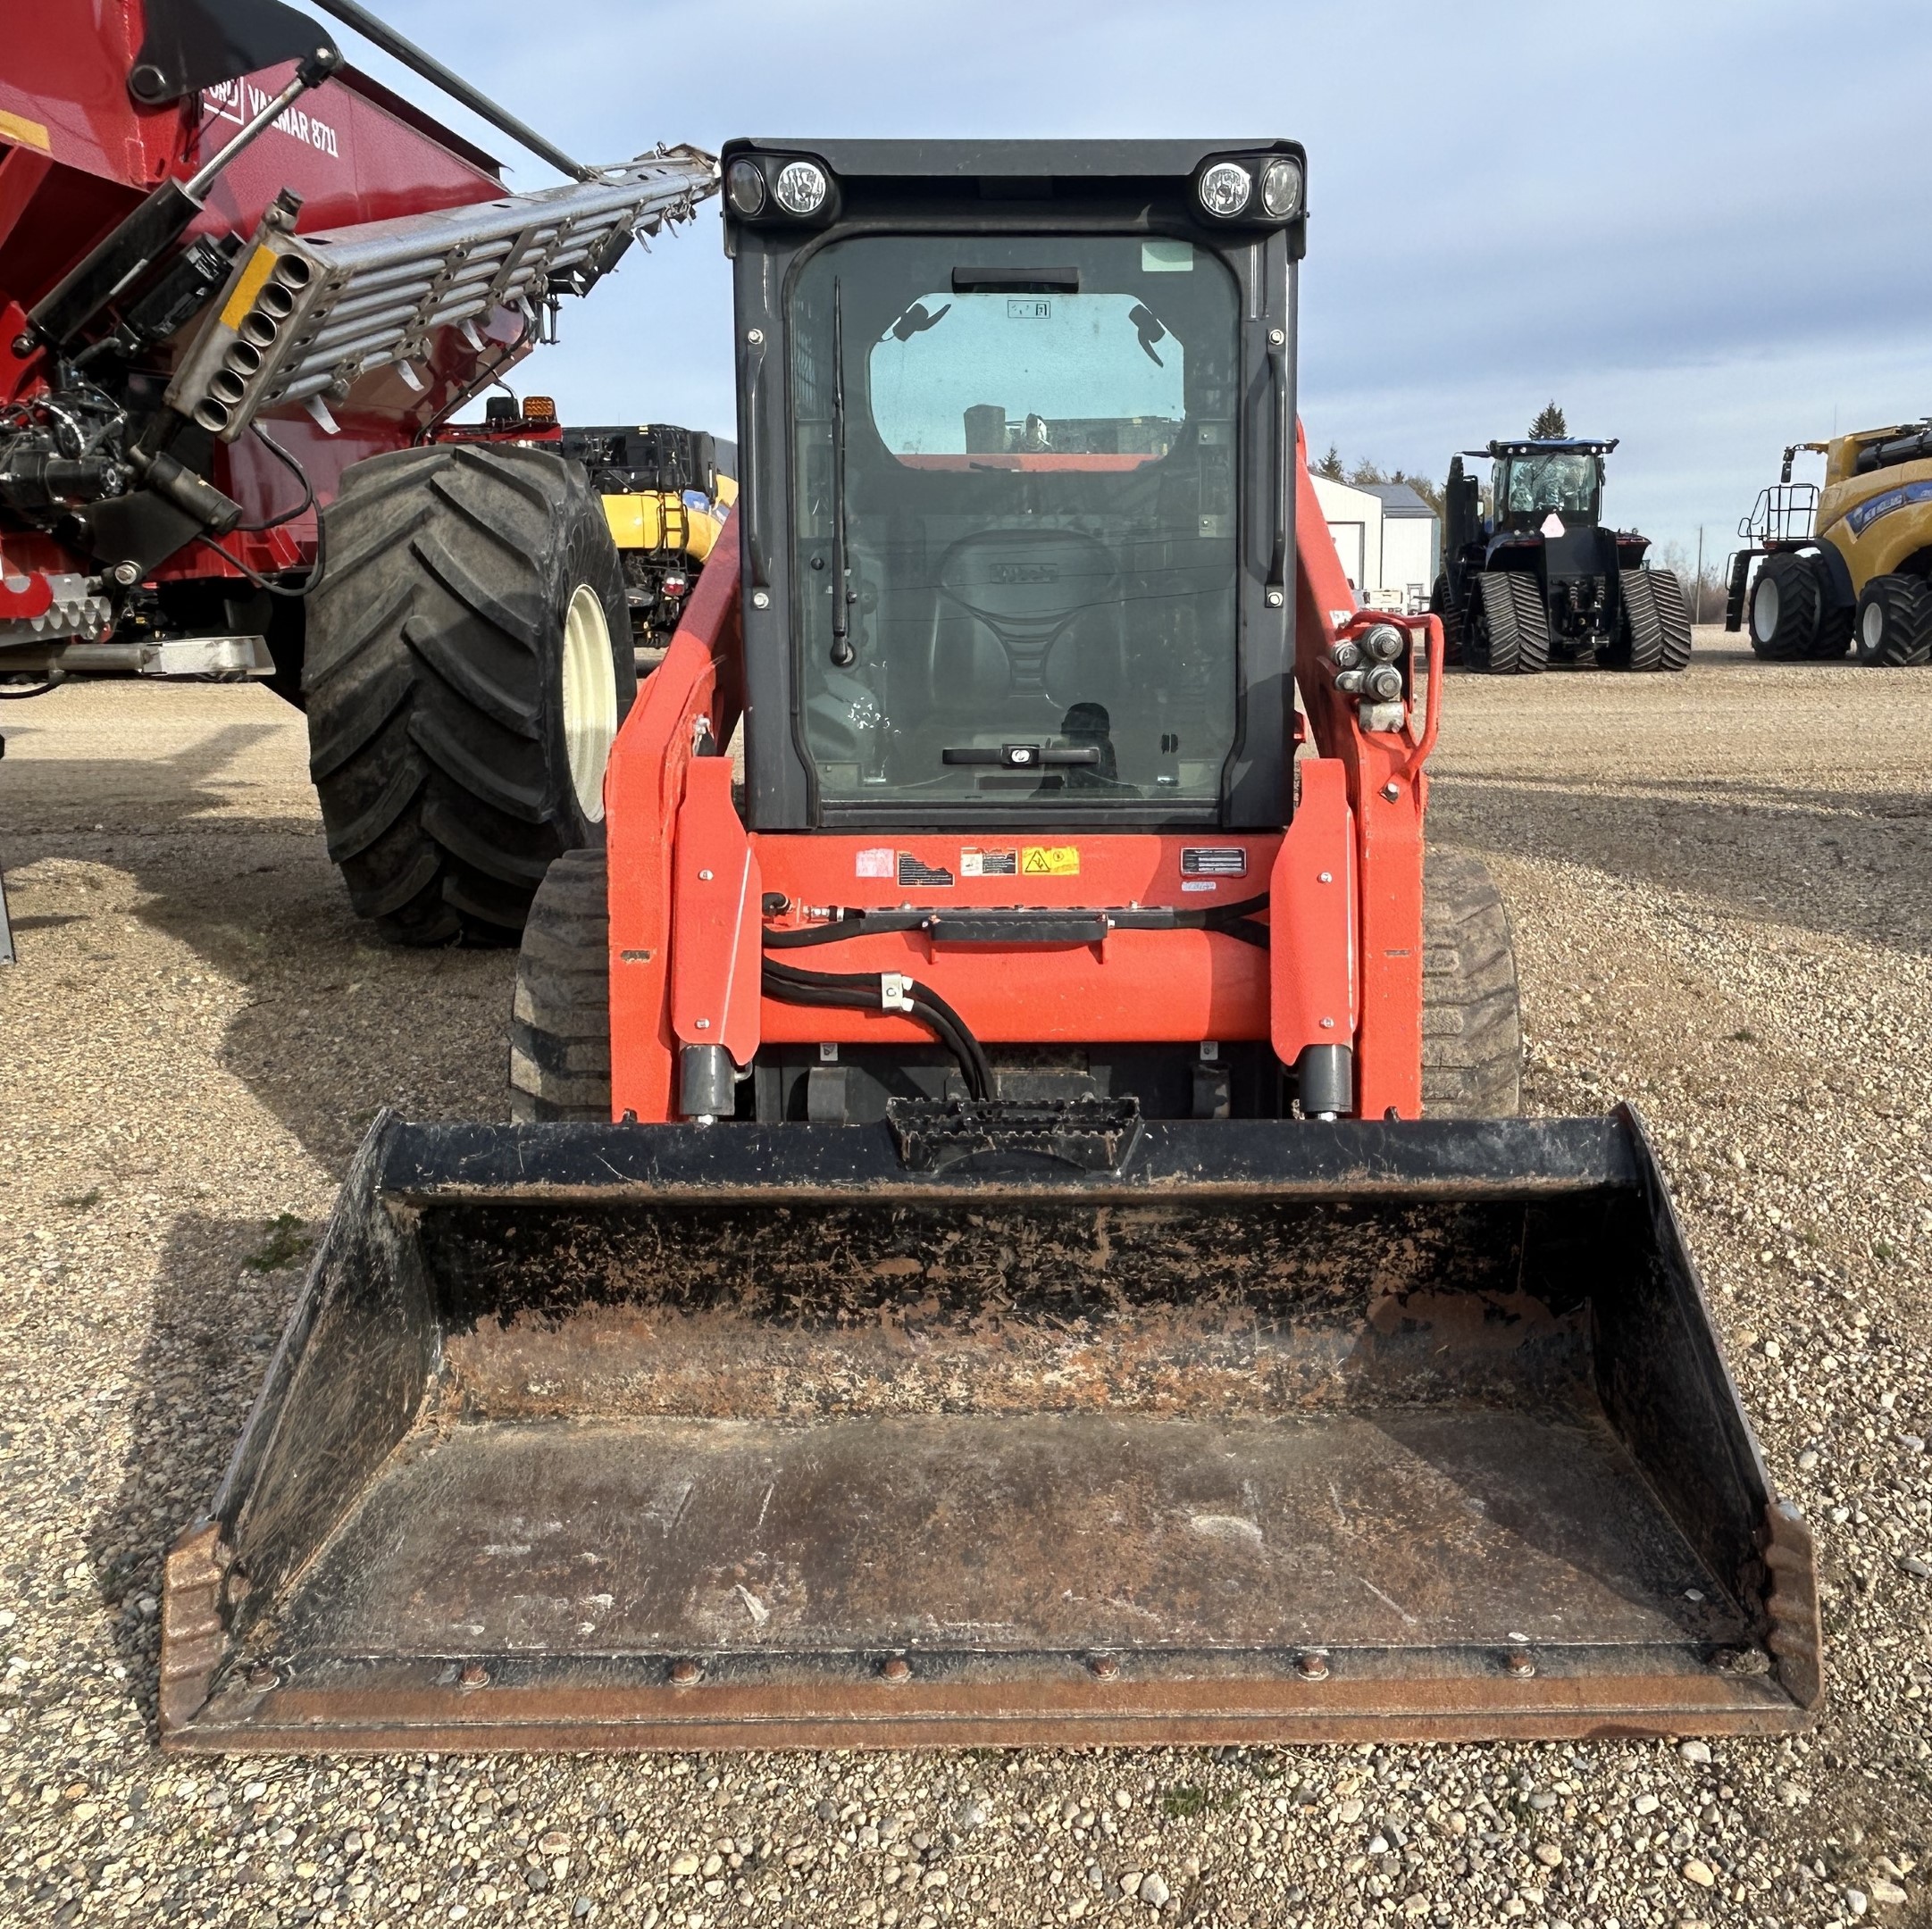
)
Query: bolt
[
  {"x": 1276, "y": 336},
  {"x": 684, "y": 1673},
  {"x": 127, "y": 574},
  {"x": 475, "y": 1674},
  {"x": 754, "y": 336},
  {"x": 1275, "y": 599},
  {"x": 760, "y": 600},
  {"x": 1518, "y": 1663},
  {"x": 704, "y": 876},
  {"x": 1328, "y": 1024},
  {"x": 897, "y": 1668},
  {"x": 1105, "y": 1667},
  {"x": 1392, "y": 791},
  {"x": 23, "y": 346},
  {"x": 1327, "y": 877},
  {"x": 1313, "y": 1666},
  {"x": 704, "y": 1024}
]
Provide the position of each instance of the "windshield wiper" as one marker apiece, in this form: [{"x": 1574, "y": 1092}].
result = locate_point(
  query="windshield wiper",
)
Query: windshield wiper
[{"x": 842, "y": 598}]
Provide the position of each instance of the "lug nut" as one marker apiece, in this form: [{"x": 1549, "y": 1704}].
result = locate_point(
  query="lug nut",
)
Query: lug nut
[
  {"x": 896, "y": 1668},
  {"x": 1313, "y": 1666},
  {"x": 1518, "y": 1663},
  {"x": 1105, "y": 1667},
  {"x": 475, "y": 1674},
  {"x": 262, "y": 1677},
  {"x": 684, "y": 1673}
]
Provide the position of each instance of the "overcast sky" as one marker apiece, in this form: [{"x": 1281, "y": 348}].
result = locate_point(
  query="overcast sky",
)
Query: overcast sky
[{"x": 1700, "y": 227}]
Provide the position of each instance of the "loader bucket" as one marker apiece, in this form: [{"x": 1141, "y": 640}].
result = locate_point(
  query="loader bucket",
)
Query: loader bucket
[{"x": 831, "y": 1436}]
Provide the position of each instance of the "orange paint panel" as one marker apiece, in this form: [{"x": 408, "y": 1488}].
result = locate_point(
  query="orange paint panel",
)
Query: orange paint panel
[
  {"x": 1138, "y": 986},
  {"x": 716, "y": 961},
  {"x": 1313, "y": 962}
]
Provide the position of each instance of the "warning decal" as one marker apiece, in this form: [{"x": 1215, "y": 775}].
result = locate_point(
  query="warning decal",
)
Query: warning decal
[
  {"x": 989, "y": 864},
  {"x": 874, "y": 862},
  {"x": 914, "y": 870},
  {"x": 1050, "y": 860}
]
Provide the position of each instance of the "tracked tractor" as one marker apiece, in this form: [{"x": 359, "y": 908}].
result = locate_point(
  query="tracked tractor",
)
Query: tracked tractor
[
  {"x": 1846, "y": 567},
  {"x": 243, "y": 290},
  {"x": 1013, "y": 1231},
  {"x": 1542, "y": 579}
]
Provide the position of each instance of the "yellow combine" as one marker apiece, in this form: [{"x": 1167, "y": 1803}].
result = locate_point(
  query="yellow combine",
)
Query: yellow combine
[
  {"x": 1845, "y": 566},
  {"x": 666, "y": 502}
]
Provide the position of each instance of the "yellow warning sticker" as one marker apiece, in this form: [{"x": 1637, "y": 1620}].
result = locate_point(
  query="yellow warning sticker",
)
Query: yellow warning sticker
[
  {"x": 1050, "y": 860},
  {"x": 261, "y": 266},
  {"x": 27, "y": 133}
]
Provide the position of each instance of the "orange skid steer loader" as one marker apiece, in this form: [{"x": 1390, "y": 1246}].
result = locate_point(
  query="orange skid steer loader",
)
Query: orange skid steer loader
[{"x": 1010, "y": 1233}]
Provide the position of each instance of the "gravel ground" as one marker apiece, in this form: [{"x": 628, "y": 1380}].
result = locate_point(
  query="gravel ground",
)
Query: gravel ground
[{"x": 1722, "y": 889}]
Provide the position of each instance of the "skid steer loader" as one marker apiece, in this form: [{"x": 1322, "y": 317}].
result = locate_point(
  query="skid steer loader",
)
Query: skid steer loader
[{"x": 988, "y": 1252}]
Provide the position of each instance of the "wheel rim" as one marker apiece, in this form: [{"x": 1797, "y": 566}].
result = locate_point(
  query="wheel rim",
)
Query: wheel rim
[
  {"x": 1871, "y": 628},
  {"x": 1764, "y": 610},
  {"x": 589, "y": 698}
]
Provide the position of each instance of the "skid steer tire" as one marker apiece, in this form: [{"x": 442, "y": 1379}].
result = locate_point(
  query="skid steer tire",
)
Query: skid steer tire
[
  {"x": 1443, "y": 605},
  {"x": 1639, "y": 641},
  {"x": 560, "y": 1014},
  {"x": 1788, "y": 607},
  {"x": 1508, "y": 632},
  {"x": 468, "y": 661},
  {"x": 1893, "y": 624},
  {"x": 1472, "y": 1027}
]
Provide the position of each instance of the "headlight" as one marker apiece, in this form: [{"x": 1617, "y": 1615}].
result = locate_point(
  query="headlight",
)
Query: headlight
[
  {"x": 1281, "y": 188},
  {"x": 1384, "y": 683},
  {"x": 744, "y": 186},
  {"x": 1384, "y": 642},
  {"x": 800, "y": 188},
  {"x": 1225, "y": 189}
]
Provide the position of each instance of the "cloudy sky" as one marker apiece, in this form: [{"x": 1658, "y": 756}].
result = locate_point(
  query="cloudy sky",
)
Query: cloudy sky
[{"x": 1700, "y": 226}]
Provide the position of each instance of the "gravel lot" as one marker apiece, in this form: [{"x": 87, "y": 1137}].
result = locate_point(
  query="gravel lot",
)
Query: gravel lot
[{"x": 1722, "y": 888}]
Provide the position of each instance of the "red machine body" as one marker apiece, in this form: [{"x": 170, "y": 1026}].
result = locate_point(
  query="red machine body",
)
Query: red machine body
[
  {"x": 78, "y": 154},
  {"x": 1343, "y": 880}
]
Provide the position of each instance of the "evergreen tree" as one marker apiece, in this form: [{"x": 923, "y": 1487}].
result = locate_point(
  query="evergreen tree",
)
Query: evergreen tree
[{"x": 1550, "y": 425}]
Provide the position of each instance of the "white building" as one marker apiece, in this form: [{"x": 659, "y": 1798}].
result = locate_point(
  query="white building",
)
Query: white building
[{"x": 1389, "y": 539}]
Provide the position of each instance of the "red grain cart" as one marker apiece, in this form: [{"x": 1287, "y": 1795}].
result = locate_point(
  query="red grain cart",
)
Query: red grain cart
[{"x": 242, "y": 287}]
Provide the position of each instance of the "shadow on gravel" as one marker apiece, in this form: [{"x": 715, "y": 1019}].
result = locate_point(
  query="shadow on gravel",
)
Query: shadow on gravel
[
  {"x": 215, "y": 1322},
  {"x": 332, "y": 1022},
  {"x": 1854, "y": 864}
]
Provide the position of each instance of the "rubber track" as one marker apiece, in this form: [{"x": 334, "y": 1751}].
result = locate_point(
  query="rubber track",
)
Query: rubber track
[
  {"x": 560, "y": 1017},
  {"x": 1674, "y": 620},
  {"x": 1512, "y": 622},
  {"x": 1441, "y": 604},
  {"x": 1472, "y": 1031},
  {"x": 1639, "y": 644}
]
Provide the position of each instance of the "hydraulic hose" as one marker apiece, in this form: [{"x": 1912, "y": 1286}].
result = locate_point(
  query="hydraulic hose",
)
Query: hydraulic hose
[{"x": 860, "y": 991}]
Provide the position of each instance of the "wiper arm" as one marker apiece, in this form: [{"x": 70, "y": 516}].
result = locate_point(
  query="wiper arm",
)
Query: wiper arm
[{"x": 842, "y": 651}]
